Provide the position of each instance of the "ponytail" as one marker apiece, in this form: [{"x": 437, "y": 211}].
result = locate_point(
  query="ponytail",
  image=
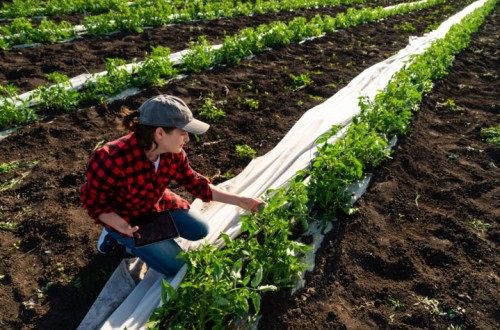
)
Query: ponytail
[{"x": 130, "y": 119}]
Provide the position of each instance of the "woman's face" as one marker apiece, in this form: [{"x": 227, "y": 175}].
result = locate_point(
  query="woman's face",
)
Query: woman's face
[{"x": 172, "y": 142}]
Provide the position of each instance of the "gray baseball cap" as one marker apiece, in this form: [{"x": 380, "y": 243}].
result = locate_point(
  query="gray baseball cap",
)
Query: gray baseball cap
[{"x": 170, "y": 111}]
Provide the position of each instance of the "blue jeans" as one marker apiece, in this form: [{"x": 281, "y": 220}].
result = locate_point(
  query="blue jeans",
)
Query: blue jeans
[{"x": 162, "y": 256}]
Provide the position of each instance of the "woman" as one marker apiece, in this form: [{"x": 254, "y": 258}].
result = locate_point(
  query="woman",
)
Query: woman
[{"x": 129, "y": 177}]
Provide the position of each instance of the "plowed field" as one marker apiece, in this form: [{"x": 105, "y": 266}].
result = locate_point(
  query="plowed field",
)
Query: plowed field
[{"x": 417, "y": 232}]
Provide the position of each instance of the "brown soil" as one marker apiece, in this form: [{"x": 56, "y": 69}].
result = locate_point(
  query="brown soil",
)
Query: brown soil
[{"x": 412, "y": 237}]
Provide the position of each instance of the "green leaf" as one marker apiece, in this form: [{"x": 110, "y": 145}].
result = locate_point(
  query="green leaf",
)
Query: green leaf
[
  {"x": 258, "y": 277},
  {"x": 255, "y": 301}
]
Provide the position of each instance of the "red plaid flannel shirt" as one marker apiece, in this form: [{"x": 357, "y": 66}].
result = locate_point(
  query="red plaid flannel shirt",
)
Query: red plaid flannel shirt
[{"x": 121, "y": 179}]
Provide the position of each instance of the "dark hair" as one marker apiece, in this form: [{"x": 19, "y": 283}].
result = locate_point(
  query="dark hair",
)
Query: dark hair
[{"x": 144, "y": 133}]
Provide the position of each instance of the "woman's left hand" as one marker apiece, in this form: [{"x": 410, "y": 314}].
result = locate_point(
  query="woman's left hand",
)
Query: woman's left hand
[
  {"x": 251, "y": 204},
  {"x": 247, "y": 203}
]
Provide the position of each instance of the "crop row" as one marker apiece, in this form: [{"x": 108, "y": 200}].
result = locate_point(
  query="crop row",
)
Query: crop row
[
  {"x": 159, "y": 68},
  {"x": 222, "y": 285},
  {"x": 58, "y": 7},
  {"x": 134, "y": 19}
]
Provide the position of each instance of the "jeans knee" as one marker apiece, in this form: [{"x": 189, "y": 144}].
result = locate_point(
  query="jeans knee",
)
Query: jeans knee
[{"x": 200, "y": 232}]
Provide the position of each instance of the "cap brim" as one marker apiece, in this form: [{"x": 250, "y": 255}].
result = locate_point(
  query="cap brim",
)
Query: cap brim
[{"x": 196, "y": 126}]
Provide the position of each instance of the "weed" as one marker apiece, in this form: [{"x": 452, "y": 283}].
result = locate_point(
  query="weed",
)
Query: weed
[
  {"x": 431, "y": 305},
  {"x": 244, "y": 151},
  {"x": 98, "y": 145},
  {"x": 396, "y": 305},
  {"x": 299, "y": 81},
  {"x": 317, "y": 98},
  {"x": 480, "y": 225},
  {"x": 252, "y": 104},
  {"x": 492, "y": 135},
  {"x": 229, "y": 174},
  {"x": 13, "y": 182},
  {"x": 9, "y": 226},
  {"x": 210, "y": 112},
  {"x": 6, "y": 168},
  {"x": 17, "y": 245},
  {"x": 450, "y": 104},
  {"x": 406, "y": 27},
  {"x": 10, "y": 167}
]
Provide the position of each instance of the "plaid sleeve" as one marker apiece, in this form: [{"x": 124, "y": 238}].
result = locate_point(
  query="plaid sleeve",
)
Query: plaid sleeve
[
  {"x": 195, "y": 183},
  {"x": 103, "y": 176}
]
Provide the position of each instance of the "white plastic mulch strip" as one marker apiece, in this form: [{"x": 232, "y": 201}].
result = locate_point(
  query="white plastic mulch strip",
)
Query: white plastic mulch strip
[
  {"x": 78, "y": 82},
  {"x": 272, "y": 170}
]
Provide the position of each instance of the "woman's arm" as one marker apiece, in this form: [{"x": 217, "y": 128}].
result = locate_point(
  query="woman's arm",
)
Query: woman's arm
[{"x": 246, "y": 203}]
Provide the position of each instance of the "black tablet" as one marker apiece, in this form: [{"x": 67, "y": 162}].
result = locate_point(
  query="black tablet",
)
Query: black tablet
[{"x": 153, "y": 228}]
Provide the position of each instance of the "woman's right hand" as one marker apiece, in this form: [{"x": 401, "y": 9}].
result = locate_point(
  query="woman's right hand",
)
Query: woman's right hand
[
  {"x": 126, "y": 229},
  {"x": 117, "y": 223}
]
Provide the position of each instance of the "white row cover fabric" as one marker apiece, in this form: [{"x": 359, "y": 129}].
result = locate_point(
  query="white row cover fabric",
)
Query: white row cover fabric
[{"x": 293, "y": 153}]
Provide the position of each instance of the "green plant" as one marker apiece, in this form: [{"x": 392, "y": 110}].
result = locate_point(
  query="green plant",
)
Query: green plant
[
  {"x": 244, "y": 151},
  {"x": 229, "y": 174},
  {"x": 116, "y": 79},
  {"x": 431, "y": 305},
  {"x": 480, "y": 225},
  {"x": 9, "y": 225},
  {"x": 317, "y": 97},
  {"x": 17, "y": 245},
  {"x": 9, "y": 167},
  {"x": 299, "y": 81},
  {"x": 60, "y": 96},
  {"x": 200, "y": 56},
  {"x": 396, "y": 305},
  {"x": 450, "y": 104},
  {"x": 6, "y": 168},
  {"x": 210, "y": 112},
  {"x": 158, "y": 68},
  {"x": 14, "y": 110},
  {"x": 406, "y": 27},
  {"x": 492, "y": 135},
  {"x": 99, "y": 144},
  {"x": 252, "y": 104},
  {"x": 221, "y": 285}
]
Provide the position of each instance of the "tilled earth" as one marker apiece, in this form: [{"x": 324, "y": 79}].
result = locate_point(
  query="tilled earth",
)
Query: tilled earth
[{"x": 416, "y": 241}]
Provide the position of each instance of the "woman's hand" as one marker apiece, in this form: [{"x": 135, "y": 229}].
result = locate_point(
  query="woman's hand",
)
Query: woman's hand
[
  {"x": 117, "y": 223},
  {"x": 251, "y": 204},
  {"x": 247, "y": 203},
  {"x": 127, "y": 229}
]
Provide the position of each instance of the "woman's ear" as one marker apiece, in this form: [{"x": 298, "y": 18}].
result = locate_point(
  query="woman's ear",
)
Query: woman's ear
[{"x": 159, "y": 132}]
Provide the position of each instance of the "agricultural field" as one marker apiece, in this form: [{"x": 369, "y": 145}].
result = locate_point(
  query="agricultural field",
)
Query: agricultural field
[{"x": 421, "y": 252}]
